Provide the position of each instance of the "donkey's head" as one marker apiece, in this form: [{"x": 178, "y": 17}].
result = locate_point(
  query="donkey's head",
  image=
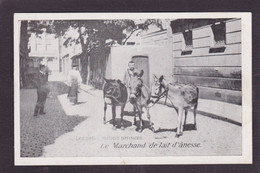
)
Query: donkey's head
[
  {"x": 110, "y": 85},
  {"x": 158, "y": 87},
  {"x": 135, "y": 85}
]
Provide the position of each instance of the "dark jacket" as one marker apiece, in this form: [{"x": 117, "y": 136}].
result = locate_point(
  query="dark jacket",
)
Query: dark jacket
[{"x": 41, "y": 82}]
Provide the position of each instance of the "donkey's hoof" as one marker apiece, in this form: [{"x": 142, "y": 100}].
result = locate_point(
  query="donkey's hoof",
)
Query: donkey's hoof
[
  {"x": 177, "y": 135},
  {"x": 140, "y": 130},
  {"x": 152, "y": 128},
  {"x": 114, "y": 127},
  {"x": 135, "y": 123},
  {"x": 194, "y": 127},
  {"x": 104, "y": 122}
]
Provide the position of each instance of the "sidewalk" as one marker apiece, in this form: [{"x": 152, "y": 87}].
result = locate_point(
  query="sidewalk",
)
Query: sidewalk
[{"x": 39, "y": 131}]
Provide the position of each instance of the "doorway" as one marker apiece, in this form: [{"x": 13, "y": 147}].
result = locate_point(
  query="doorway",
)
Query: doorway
[{"x": 142, "y": 63}]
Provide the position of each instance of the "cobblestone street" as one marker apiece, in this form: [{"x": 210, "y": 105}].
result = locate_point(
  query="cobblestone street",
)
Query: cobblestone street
[{"x": 37, "y": 132}]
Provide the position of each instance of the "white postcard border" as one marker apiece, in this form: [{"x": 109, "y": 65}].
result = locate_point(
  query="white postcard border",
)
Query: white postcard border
[{"x": 246, "y": 157}]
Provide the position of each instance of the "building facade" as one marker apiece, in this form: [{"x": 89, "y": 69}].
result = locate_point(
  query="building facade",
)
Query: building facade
[
  {"x": 203, "y": 52},
  {"x": 153, "y": 54},
  {"x": 44, "y": 49},
  {"x": 70, "y": 55},
  {"x": 207, "y": 53}
]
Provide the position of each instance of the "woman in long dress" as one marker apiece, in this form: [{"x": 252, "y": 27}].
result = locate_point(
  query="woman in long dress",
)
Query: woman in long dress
[{"x": 74, "y": 80}]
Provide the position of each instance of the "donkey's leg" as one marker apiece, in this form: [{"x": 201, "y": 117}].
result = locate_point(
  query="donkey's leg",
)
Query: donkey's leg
[
  {"x": 179, "y": 129},
  {"x": 105, "y": 109},
  {"x": 185, "y": 118},
  {"x": 195, "y": 112},
  {"x": 134, "y": 115},
  {"x": 148, "y": 116},
  {"x": 177, "y": 111},
  {"x": 114, "y": 116},
  {"x": 181, "y": 124},
  {"x": 140, "y": 119},
  {"x": 122, "y": 115}
]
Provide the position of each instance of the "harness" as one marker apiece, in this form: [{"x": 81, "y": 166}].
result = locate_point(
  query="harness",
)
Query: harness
[
  {"x": 160, "y": 96},
  {"x": 113, "y": 94},
  {"x": 139, "y": 94}
]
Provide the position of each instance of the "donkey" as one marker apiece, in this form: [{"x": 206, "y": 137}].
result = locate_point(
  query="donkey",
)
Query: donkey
[
  {"x": 139, "y": 98},
  {"x": 181, "y": 96},
  {"x": 115, "y": 94}
]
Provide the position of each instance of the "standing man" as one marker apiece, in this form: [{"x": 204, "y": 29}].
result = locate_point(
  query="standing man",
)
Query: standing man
[
  {"x": 74, "y": 80},
  {"x": 42, "y": 91},
  {"x": 47, "y": 72},
  {"x": 130, "y": 72}
]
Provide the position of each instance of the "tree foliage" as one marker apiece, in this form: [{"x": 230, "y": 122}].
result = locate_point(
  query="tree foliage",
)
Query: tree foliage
[{"x": 92, "y": 35}]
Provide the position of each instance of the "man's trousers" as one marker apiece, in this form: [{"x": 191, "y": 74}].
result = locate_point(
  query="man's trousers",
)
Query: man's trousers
[{"x": 41, "y": 99}]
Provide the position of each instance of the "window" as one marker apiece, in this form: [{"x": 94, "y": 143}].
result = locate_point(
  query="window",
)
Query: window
[
  {"x": 130, "y": 43},
  {"x": 219, "y": 37},
  {"x": 39, "y": 45},
  {"x": 48, "y": 44},
  {"x": 219, "y": 33},
  {"x": 187, "y": 35},
  {"x": 187, "y": 43}
]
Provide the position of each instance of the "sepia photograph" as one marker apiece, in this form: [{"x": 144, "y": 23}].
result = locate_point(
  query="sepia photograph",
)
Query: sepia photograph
[{"x": 132, "y": 88}]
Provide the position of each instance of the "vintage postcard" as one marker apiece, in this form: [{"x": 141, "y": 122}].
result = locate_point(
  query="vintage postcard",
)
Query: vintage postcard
[{"x": 132, "y": 88}]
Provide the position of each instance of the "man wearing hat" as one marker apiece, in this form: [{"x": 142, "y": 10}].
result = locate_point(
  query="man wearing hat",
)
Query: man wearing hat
[
  {"x": 42, "y": 90},
  {"x": 74, "y": 80}
]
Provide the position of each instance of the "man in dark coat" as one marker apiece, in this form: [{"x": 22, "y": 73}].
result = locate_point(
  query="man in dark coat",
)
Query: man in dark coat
[
  {"x": 47, "y": 72},
  {"x": 42, "y": 91}
]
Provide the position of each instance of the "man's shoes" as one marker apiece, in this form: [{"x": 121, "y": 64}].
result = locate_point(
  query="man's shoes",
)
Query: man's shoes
[
  {"x": 36, "y": 111},
  {"x": 42, "y": 113}
]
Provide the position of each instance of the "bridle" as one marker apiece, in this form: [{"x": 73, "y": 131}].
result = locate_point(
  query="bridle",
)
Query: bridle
[
  {"x": 139, "y": 92},
  {"x": 160, "y": 94}
]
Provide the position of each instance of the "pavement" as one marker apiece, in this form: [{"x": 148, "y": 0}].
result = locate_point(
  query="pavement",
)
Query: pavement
[
  {"x": 39, "y": 131},
  {"x": 219, "y": 131}
]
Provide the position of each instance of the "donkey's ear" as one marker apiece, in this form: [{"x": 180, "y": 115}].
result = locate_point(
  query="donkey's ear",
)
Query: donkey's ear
[
  {"x": 106, "y": 80},
  {"x": 161, "y": 78},
  {"x": 141, "y": 73},
  {"x": 118, "y": 81},
  {"x": 155, "y": 78}
]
